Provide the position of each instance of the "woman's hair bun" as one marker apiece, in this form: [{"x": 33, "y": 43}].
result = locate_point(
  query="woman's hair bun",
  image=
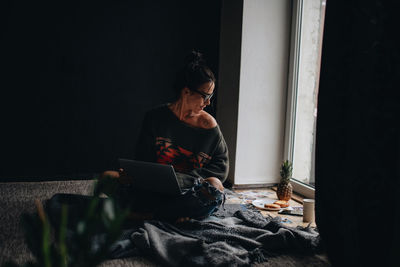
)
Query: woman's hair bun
[
  {"x": 194, "y": 73},
  {"x": 194, "y": 59}
]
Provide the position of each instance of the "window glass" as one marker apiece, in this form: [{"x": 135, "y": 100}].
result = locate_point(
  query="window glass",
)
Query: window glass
[{"x": 312, "y": 19}]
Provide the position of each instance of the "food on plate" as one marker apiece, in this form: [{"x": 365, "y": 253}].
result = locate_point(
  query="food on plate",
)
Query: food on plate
[
  {"x": 271, "y": 206},
  {"x": 282, "y": 203}
]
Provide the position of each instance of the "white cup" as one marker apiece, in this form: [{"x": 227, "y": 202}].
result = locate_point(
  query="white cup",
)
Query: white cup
[{"x": 308, "y": 210}]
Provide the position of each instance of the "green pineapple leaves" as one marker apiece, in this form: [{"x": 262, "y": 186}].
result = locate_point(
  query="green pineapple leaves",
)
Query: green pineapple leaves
[{"x": 286, "y": 170}]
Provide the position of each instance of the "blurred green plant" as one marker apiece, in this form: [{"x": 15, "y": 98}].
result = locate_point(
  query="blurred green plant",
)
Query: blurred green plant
[{"x": 74, "y": 247}]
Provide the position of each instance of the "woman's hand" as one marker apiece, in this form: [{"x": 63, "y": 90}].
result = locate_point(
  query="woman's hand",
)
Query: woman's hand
[
  {"x": 215, "y": 182},
  {"x": 119, "y": 175},
  {"x": 123, "y": 177}
]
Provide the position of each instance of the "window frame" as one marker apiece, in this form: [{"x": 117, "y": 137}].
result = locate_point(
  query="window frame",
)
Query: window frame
[{"x": 291, "y": 104}]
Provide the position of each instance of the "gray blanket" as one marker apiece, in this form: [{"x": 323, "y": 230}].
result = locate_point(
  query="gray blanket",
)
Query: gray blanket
[
  {"x": 236, "y": 236},
  {"x": 239, "y": 240}
]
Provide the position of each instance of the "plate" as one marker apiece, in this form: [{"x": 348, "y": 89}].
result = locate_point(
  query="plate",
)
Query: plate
[{"x": 259, "y": 203}]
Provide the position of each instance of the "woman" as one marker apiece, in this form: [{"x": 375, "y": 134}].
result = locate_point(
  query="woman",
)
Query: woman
[{"x": 182, "y": 134}]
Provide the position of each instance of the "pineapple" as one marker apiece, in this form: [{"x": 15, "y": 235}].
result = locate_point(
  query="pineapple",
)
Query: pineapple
[{"x": 285, "y": 189}]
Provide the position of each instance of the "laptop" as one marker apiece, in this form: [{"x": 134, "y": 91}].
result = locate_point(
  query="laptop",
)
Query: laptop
[{"x": 152, "y": 177}]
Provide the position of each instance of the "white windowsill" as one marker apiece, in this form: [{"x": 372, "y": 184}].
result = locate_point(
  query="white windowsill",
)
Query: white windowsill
[{"x": 303, "y": 189}]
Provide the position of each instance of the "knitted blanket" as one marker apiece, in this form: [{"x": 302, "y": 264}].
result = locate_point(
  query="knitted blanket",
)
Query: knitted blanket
[
  {"x": 239, "y": 240},
  {"x": 236, "y": 236}
]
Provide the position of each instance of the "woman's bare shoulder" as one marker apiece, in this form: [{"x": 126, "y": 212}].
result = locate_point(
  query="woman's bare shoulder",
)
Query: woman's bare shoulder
[{"x": 207, "y": 121}]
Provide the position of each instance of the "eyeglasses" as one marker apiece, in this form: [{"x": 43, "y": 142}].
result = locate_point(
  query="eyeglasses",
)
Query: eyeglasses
[{"x": 204, "y": 95}]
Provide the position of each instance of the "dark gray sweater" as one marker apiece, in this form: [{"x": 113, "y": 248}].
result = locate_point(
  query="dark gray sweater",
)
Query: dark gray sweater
[{"x": 194, "y": 152}]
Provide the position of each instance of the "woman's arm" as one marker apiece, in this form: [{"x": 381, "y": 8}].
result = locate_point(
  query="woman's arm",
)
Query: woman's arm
[{"x": 218, "y": 166}]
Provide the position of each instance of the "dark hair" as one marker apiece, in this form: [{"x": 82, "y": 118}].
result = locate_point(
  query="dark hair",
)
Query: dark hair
[{"x": 194, "y": 73}]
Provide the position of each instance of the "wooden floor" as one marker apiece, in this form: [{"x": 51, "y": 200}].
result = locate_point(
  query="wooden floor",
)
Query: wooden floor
[{"x": 289, "y": 220}]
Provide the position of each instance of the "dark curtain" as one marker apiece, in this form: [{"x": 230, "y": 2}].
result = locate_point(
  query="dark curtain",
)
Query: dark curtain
[{"x": 358, "y": 138}]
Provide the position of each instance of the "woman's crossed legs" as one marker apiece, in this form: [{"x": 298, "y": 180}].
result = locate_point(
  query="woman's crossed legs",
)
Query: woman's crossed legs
[{"x": 197, "y": 202}]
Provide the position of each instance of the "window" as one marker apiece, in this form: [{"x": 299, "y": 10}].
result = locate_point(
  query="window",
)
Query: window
[
  {"x": 307, "y": 31},
  {"x": 268, "y": 81}
]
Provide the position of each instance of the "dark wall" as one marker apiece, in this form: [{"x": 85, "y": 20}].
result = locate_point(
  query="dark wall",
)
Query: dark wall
[
  {"x": 78, "y": 77},
  {"x": 358, "y": 137}
]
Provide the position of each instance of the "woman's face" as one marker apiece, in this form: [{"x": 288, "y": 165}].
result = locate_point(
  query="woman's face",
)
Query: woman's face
[{"x": 197, "y": 100}]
